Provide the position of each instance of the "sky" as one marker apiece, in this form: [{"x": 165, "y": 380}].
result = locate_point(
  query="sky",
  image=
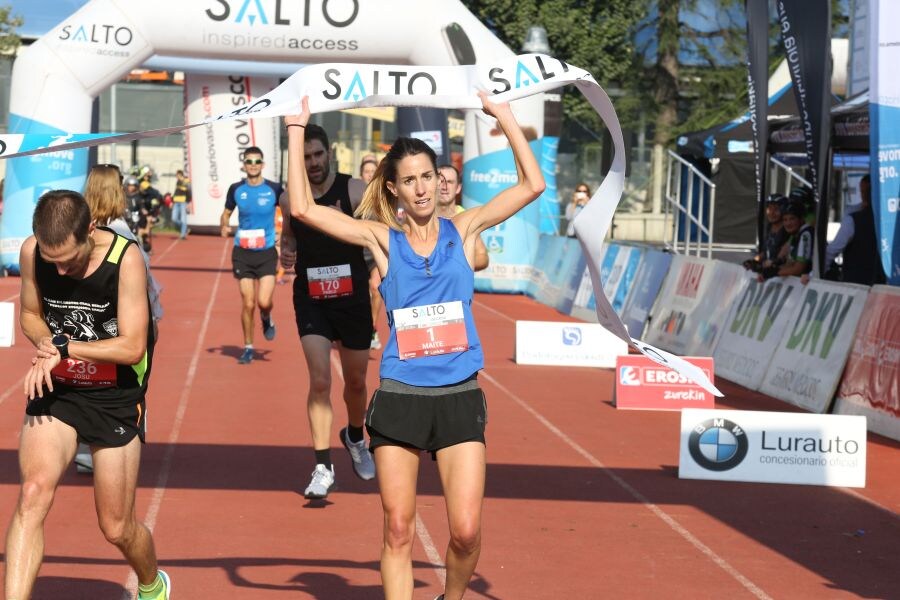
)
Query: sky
[{"x": 41, "y": 15}]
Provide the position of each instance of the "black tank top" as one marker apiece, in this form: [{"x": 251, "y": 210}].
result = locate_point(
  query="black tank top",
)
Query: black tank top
[
  {"x": 317, "y": 251},
  {"x": 87, "y": 311}
]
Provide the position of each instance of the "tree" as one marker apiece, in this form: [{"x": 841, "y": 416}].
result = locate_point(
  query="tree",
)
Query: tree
[{"x": 9, "y": 41}]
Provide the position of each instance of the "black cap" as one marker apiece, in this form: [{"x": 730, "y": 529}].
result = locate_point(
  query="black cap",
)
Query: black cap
[
  {"x": 776, "y": 199},
  {"x": 794, "y": 207}
]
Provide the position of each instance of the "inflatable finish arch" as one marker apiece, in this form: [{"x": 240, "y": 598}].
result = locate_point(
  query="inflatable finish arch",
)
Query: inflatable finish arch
[{"x": 55, "y": 79}]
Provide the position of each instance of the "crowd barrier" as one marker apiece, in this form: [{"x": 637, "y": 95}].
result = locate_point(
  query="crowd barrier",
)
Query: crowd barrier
[{"x": 788, "y": 340}]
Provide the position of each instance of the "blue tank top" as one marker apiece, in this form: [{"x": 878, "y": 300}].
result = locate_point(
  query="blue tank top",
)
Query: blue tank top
[
  {"x": 416, "y": 281},
  {"x": 256, "y": 213}
]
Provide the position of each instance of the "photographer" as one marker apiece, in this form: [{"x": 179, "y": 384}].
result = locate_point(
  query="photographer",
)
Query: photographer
[{"x": 579, "y": 200}]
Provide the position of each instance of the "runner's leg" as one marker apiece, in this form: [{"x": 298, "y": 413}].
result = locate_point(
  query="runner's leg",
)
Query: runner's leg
[
  {"x": 115, "y": 480},
  {"x": 462, "y": 470},
  {"x": 353, "y": 366},
  {"x": 248, "y": 307},
  {"x": 265, "y": 292},
  {"x": 46, "y": 448},
  {"x": 398, "y": 470},
  {"x": 317, "y": 351}
]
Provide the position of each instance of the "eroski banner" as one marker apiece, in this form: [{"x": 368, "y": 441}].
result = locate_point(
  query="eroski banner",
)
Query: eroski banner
[{"x": 338, "y": 86}]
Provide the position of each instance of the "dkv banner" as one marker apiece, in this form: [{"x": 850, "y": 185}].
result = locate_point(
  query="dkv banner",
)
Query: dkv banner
[
  {"x": 807, "y": 364},
  {"x": 338, "y": 86},
  {"x": 216, "y": 149},
  {"x": 871, "y": 382},
  {"x": 755, "y": 325}
]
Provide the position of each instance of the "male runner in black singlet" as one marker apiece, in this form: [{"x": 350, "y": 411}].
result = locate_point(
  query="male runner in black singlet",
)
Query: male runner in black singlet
[
  {"x": 85, "y": 308},
  {"x": 331, "y": 300}
]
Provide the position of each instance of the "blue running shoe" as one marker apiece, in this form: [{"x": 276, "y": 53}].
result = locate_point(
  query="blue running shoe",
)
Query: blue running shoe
[
  {"x": 246, "y": 356},
  {"x": 269, "y": 328}
]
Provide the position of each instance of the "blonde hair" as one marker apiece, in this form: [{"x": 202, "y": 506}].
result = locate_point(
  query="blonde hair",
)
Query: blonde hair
[
  {"x": 377, "y": 201},
  {"x": 104, "y": 194}
]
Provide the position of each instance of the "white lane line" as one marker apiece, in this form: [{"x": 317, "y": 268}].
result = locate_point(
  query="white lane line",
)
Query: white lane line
[
  {"x": 668, "y": 520},
  {"x": 16, "y": 386},
  {"x": 11, "y": 298},
  {"x": 156, "y": 260},
  {"x": 870, "y": 502},
  {"x": 166, "y": 465},
  {"x": 431, "y": 551},
  {"x": 493, "y": 310}
]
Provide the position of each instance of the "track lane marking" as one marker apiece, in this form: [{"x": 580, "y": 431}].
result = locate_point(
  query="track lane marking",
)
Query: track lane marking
[
  {"x": 656, "y": 510},
  {"x": 166, "y": 464}
]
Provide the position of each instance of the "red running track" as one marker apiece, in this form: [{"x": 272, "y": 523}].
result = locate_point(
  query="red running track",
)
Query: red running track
[{"x": 583, "y": 501}]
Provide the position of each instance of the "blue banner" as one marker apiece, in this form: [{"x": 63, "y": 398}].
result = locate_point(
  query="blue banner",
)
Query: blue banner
[
  {"x": 647, "y": 283},
  {"x": 626, "y": 280},
  {"x": 511, "y": 245},
  {"x": 29, "y": 177},
  {"x": 549, "y": 200},
  {"x": 885, "y": 149}
]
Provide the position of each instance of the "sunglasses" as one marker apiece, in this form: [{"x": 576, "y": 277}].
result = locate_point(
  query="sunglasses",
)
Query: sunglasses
[{"x": 253, "y": 161}]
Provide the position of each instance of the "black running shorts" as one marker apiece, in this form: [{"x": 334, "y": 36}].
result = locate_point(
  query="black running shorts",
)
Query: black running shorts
[
  {"x": 95, "y": 423},
  {"x": 253, "y": 264},
  {"x": 337, "y": 320},
  {"x": 426, "y": 418}
]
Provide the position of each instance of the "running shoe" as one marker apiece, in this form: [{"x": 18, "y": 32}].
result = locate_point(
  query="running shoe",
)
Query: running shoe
[
  {"x": 269, "y": 328},
  {"x": 321, "y": 483},
  {"x": 164, "y": 594},
  {"x": 376, "y": 343},
  {"x": 363, "y": 465},
  {"x": 246, "y": 356}
]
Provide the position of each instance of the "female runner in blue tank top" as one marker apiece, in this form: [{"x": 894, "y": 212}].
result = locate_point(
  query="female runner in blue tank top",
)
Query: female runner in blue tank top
[{"x": 429, "y": 397}]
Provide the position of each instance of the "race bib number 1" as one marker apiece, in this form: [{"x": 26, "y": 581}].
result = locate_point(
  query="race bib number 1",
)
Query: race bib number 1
[
  {"x": 83, "y": 373},
  {"x": 430, "y": 330},
  {"x": 329, "y": 282},
  {"x": 252, "y": 239}
]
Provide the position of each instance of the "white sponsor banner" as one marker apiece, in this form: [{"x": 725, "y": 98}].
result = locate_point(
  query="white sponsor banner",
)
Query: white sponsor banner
[
  {"x": 759, "y": 317},
  {"x": 215, "y": 150},
  {"x": 686, "y": 284},
  {"x": 567, "y": 344},
  {"x": 808, "y": 362},
  {"x": 7, "y": 324},
  {"x": 772, "y": 447}
]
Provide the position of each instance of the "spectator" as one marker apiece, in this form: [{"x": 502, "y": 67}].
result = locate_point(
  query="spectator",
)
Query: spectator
[
  {"x": 579, "y": 200},
  {"x": 775, "y": 237},
  {"x": 858, "y": 242},
  {"x": 367, "y": 168},
  {"x": 795, "y": 257},
  {"x": 181, "y": 199},
  {"x": 804, "y": 196}
]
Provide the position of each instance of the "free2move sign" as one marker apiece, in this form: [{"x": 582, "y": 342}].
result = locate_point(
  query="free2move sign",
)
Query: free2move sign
[{"x": 772, "y": 447}]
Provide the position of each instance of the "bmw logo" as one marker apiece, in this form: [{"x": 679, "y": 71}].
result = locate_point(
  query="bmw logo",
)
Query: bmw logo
[{"x": 718, "y": 444}]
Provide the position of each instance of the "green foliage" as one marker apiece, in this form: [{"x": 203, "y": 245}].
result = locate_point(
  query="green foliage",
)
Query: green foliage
[
  {"x": 9, "y": 41},
  {"x": 594, "y": 35}
]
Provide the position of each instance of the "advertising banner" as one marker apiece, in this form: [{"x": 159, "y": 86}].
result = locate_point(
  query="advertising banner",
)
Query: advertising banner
[
  {"x": 544, "y": 282},
  {"x": 884, "y": 130},
  {"x": 871, "y": 382},
  {"x": 631, "y": 261},
  {"x": 806, "y": 37},
  {"x": 567, "y": 344},
  {"x": 215, "y": 150},
  {"x": 807, "y": 363},
  {"x": 647, "y": 282},
  {"x": 772, "y": 447},
  {"x": 684, "y": 287},
  {"x": 758, "y": 96},
  {"x": 643, "y": 384},
  {"x": 757, "y": 321},
  {"x": 573, "y": 276}
]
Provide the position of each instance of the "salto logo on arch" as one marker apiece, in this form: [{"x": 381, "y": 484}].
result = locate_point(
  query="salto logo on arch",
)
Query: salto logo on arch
[{"x": 305, "y": 13}]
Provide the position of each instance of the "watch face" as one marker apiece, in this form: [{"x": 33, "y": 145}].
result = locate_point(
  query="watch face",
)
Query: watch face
[{"x": 59, "y": 340}]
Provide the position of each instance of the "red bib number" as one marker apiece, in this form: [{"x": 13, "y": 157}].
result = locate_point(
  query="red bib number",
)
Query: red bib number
[
  {"x": 252, "y": 239},
  {"x": 430, "y": 330},
  {"x": 329, "y": 282},
  {"x": 84, "y": 373}
]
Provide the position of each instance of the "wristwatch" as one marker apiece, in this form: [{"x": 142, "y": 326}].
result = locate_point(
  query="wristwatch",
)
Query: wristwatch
[{"x": 62, "y": 344}]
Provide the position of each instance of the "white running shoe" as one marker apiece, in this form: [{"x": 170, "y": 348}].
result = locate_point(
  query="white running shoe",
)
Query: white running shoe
[
  {"x": 321, "y": 483},
  {"x": 363, "y": 465},
  {"x": 84, "y": 460}
]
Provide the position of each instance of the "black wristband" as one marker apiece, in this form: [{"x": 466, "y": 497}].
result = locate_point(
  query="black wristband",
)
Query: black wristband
[{"x": 295, "y": 125}]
